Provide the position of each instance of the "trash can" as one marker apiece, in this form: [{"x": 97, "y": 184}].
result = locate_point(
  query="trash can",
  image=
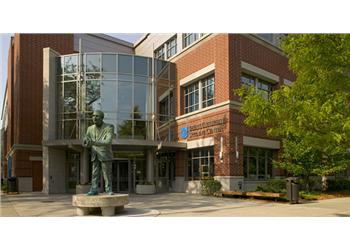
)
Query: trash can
[
  {"x": 292, "y": 190},
  {"x": 12, "y": 185}
]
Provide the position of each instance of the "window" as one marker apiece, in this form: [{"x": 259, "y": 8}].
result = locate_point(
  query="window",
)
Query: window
[
  {"x": 192, "y": 97},
  {"x": 274, "y": 39},
  {"x": 266, "y": 36},
  {"x": 166, "y": 108},
  {"x": 264, "y": 88},
  {"x": 171, "y": 47},
  {"x": 189, "y": 38},
  {"x": 200, "y": 94},
  {"x": 208, "y": 91},
  {"x": 160, "y": 53},
  {"x": 200, "y": 163},
  {"x": 257, "y": 163}
]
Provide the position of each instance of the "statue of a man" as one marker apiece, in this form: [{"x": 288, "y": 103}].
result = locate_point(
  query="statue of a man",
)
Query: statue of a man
[{"x": 99, "y": 137}]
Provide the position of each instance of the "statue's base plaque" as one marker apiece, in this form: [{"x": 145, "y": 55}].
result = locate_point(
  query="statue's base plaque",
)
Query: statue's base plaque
[{"x": 109, "y": 204}]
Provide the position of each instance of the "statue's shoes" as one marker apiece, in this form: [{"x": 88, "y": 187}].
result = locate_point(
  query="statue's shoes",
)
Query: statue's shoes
[
  {"x": 92, "y": 193},
  {"x": 110, "y": 193}
]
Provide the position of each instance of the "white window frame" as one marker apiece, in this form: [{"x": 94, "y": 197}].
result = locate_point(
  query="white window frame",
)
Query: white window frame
[
  {"x": 257, "y": 82},
  {"x": 185, "y": 37},
  {"x": 157, "y": 52},
  {"x": 201, "y": 86},
  {"x": 169, "y": 46}
]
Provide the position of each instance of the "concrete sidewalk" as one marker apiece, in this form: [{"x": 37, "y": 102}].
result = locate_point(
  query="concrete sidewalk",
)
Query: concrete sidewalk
[{"x": 174, "y": 204}]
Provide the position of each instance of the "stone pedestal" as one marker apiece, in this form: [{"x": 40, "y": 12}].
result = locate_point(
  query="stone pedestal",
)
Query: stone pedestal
[{"x": 109, "y": 204}]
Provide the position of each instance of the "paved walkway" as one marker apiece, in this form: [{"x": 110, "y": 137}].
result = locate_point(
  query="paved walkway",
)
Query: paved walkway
[{"x": 174, "y": 204}]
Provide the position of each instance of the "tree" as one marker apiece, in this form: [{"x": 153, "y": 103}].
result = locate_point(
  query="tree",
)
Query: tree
[{"x": 312, "y": 116}]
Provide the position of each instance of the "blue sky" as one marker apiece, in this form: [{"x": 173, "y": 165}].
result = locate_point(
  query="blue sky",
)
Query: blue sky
[{"x": 4, "y": 45}]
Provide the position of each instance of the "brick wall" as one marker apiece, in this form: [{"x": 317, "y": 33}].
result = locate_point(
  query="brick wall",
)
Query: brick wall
[
  {"x": 227, "y": 51},
  {"x": 31, "y": 80},
  {"x": 213, "y": 49},
  {"x": 245, "y": 49},
  {"x": 26, "y": 90}
]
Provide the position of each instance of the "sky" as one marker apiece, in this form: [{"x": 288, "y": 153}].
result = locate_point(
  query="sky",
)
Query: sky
[{"x": 5, "y": 43}]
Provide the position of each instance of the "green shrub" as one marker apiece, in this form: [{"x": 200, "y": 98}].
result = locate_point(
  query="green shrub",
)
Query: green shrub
[
  {"x": 338, "y": 184},
  {"x": 309, "y": 195},
  {"x": 273, "y": 186},
  {"x": 4, "y": 186},
  {"x": 210, "y": 186},
  {"x": 310, "y": 184}
]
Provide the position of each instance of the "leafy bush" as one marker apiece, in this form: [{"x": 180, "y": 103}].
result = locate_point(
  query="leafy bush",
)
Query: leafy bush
[
  {"x": 309, "y": 195},
  {"x": 210, "y": 186},
  {"x": 338, "y": 184},
  {"x": 4, "y": 186},
  {"x": 273, "y": 186},
  {"x": 310, "y": 184}
]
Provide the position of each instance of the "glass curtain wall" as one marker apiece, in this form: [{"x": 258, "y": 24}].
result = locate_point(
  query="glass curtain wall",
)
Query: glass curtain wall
[{"x": 118, "y": 84}]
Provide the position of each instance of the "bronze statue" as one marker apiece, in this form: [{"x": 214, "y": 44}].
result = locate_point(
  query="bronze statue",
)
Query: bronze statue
[{"x": 99, "y": 137}]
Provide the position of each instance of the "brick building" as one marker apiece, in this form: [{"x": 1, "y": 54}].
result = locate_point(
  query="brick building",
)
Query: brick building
[
  {"x": 23, "y": 103},
  {"x": 170, "y": 98},
  {"x": 215, "y": 126}
]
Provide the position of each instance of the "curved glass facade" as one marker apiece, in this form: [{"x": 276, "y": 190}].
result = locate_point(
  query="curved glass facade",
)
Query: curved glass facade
[{"x": 121, "y": 86}]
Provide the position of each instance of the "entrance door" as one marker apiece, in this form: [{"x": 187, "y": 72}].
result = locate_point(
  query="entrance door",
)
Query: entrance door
[{"x": 121, "y": 176}]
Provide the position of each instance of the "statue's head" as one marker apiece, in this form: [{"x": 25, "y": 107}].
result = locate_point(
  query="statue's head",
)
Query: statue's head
[{"x": 97, "y": 117}]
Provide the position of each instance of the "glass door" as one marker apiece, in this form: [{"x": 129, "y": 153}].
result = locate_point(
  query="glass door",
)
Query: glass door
[{"x": 121, "y": 176}]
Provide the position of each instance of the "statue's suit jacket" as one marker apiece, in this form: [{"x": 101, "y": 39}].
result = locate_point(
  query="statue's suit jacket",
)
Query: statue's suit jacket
[{"x": 102, "y": 148}]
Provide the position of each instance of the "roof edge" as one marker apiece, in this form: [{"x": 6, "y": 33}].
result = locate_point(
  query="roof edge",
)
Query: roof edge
[{"x": 112, "y": 39}]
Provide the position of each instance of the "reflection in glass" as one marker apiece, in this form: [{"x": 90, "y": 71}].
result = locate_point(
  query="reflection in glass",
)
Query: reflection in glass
[
  {"x": 121, "y": 89},
  {"x": 125, "y": 97},
  {"x": 140, "y": 97},
  {"x": 125, "y": 64},
  {"x": 92, "y": 94},
  {"x": 70, "y": 129},
  {"x": 70, "y": 77},
  {"x": 140, "y": 129},
  {"x": 59, "y": 65},
  {"x": 166, "y": 108},
  {"x": 140, "y": 65},
  {"x": 257, "y": 163},
  {"x": 109, "y": 76},
  {"x": 109, "y": 63},
  {"x": 93, "y": 76},
  {"x": 195, "y": 170},
  {"x": 60, "y": 96},
  {"x": 141, "y": 79},
  {"x": 125, "y": 77},
  {"x": 162, "y": 69},
  {"x": 208, "y": 91},
  {"x": 70, "y": 64},
  {"x": 108, "y": 93},
  {"x": 124, "y": 129},
  {"x": 93, "y": 63},
  {"x": 70, "y": 96}
]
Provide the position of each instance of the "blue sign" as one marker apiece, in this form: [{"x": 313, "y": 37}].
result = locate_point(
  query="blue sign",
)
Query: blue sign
[{"x": 183, "y": 133}]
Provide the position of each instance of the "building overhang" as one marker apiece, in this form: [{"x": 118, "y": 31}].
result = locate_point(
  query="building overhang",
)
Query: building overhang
[{"x": 120, "y": 144}]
